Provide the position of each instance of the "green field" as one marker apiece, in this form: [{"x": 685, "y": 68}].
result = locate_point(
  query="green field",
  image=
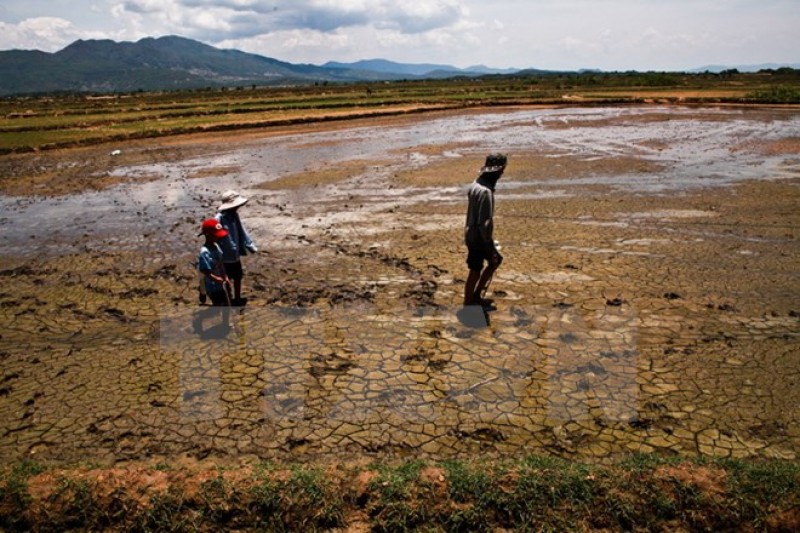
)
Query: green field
[{"x": 59, "y": 121}]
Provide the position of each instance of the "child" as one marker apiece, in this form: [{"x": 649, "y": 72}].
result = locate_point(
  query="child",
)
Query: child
[
  {"x": 209, "y": 263},
  {"x": 238, "y": 242}
]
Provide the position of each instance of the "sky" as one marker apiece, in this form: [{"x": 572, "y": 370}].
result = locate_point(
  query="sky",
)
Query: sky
[{"x": 643, "y": 35}]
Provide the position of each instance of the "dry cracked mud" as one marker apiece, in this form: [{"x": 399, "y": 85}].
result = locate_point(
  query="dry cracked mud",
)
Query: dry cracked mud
[{"x": 649, "y": 300}]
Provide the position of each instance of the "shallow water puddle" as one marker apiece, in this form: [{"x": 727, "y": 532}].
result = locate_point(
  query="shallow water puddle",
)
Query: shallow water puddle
[{"x": 694, "y": 152}]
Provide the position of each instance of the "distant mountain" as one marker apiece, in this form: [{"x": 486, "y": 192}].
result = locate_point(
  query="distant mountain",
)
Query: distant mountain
[
  {"x": 153, "y": 64},
  {"x": 744, "y": 68},
  {"x": 173, "y": 62},
  {"x": 428, "y": 70},
  {"x": 483, "y": 69},
  {"x": 538, "y": 72},
  {"x": 389, "y": 67}
]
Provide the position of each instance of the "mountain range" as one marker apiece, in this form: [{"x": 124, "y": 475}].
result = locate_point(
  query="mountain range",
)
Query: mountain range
[
  {"x": 174, "y": 62},
  {"x": 426, "y": 70}
]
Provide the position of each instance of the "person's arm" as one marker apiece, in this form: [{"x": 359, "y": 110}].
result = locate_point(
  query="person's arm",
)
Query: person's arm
[
  {"x": 215, "y": 277},
  {"x": 486, "y": 223},
  {"x": 205, "y": 265},
  {"x": 248, "y": 241}
]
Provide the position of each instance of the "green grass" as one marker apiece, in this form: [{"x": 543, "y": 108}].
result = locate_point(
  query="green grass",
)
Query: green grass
[
  {"x": 776, "y": 95},
  {"x": 760, "y": 486},
  {"x": 306, "y": 501},
  {"x": 397, "y": 498},
  {"x": 14, "y": 496},
  {"x": 644, "y": 492},
  {"x": 166, "y": 512}
]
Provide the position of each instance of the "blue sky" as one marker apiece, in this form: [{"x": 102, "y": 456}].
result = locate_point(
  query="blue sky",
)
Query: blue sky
[{"x": 549, "y": 34}]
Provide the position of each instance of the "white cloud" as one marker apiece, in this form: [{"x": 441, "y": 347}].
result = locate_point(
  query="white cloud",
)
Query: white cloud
[
  {"x": 208, "y": 21},
  {"x": 248, "y": 18},
  {"x": 555, "y": 34},
  {"x": 306, "y": 30},
  {"x": 297, "y": 46},
  {"x": 419, "y": 16},
  {"x": 42, "y": 33},
  {"x": 144, "y": 6}
]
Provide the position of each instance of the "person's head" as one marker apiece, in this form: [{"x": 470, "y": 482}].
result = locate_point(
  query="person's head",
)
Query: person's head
[
  {"x": 213, "y": 230},
  {"x": 492, "y": 169},
  {"x": 231, "y": 200},
  {"x": 495, "y": 163}
]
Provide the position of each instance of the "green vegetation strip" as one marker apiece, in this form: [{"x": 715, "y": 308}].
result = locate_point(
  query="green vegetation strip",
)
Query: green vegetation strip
[{"x": 535, "y": 493}]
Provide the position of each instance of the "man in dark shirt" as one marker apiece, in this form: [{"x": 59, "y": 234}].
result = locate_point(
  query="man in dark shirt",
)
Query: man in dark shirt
[{"x": 479, "y": 230}]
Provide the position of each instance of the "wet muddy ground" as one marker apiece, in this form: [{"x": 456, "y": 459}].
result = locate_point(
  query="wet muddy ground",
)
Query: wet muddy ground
[{"x": 649, "y": 300}]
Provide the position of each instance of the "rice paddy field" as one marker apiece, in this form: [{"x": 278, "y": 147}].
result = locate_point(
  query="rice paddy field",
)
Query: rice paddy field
[
  {"x": 639, "y": 369},
  {"x": 47, "y": 122}
]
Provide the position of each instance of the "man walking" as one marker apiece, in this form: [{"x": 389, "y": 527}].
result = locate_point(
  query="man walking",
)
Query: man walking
[{"x": 479, "y": 230}]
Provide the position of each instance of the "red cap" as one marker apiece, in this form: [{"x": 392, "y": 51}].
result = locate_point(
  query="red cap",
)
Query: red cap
[{"x": 213, "y": 227}]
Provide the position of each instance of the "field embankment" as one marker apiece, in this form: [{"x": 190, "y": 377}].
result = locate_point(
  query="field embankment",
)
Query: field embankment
[{"x": 641, "y": 493}]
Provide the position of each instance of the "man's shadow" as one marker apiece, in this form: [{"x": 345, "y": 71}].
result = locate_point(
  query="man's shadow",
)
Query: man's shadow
[{"x": 476, "y": 316}]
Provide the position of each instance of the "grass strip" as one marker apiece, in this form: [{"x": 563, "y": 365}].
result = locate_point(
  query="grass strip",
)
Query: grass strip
[{"x": 643, "y": 492}]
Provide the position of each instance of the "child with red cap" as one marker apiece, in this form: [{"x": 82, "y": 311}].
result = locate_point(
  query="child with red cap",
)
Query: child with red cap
[
  {"x": 210, "y": 265},
  {"x": 209, "y": 262}
]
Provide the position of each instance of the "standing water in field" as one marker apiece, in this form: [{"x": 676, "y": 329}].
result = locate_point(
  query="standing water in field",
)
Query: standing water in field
[{"x": 691, "y": 149}]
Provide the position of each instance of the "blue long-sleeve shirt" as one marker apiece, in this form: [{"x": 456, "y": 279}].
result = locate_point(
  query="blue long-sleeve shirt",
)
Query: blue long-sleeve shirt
[{"x": 238, "y": 242}]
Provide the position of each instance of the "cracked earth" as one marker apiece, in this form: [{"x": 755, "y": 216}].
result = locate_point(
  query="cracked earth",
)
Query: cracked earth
[{"x": 648, "y": 301}]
